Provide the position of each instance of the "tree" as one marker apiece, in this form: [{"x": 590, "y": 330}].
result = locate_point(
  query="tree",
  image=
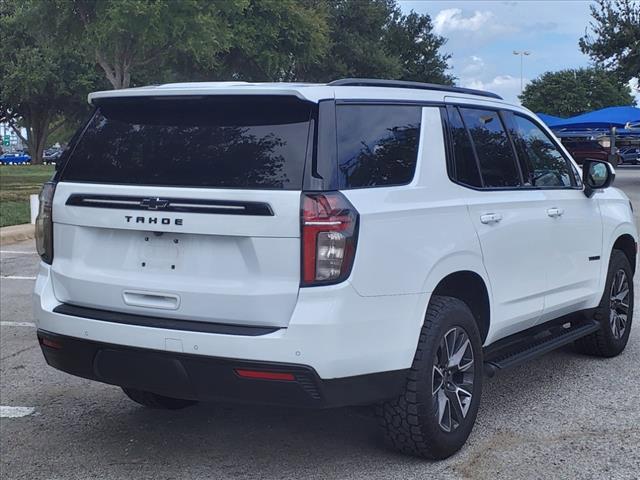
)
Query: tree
[
  {"x": 373, "y": 39},
  {"x": 571, "y": 92},
  {"x": 276, "y": 40},
  {"x": 615, "y": 44},
  {"x": 418, "y": 49},
  {"x": 43, "y": 83},
  {"x": 130, "y": 37}
]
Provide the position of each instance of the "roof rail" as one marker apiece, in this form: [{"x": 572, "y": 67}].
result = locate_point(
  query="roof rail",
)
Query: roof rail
[{"x": 373, "y": 82}]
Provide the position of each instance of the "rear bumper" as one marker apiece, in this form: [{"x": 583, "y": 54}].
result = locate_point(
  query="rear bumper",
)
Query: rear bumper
[
  {"x": 333, "y": 330},
  {"x": 200, "y": 378}
]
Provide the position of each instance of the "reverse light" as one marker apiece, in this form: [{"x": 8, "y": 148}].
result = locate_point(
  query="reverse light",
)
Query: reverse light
[
  {"x": 44, "y": 223},
  {"x": 329, "y": 225}
]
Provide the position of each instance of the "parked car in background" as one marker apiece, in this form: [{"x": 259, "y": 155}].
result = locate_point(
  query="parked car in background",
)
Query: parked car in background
[
  {"x": 15, "y": 158},
  {"x": 630, "y": 155},
  {"x": 51, "y": 155},
  {"x": 582, "y": 150}
]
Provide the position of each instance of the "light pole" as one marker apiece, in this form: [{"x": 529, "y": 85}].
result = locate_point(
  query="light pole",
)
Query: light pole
[{"x": 522, "y": 54}]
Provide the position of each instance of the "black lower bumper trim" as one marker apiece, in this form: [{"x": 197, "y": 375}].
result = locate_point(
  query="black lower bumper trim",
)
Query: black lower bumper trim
[
  {"x": 158, "y": 322},
  {"x": 196, "y": 377}
]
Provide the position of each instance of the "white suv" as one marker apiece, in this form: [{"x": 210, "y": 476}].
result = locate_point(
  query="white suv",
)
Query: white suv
[{"x": 359, "y": 242}]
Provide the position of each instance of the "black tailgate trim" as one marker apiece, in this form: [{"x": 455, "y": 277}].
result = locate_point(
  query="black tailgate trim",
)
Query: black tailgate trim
[
  {"x": 184, "y": 205},
  {"x": 167, "y": 323}
]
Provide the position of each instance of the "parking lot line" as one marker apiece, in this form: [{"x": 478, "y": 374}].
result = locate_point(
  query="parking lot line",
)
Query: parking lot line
[
  {"x": 15, "y": 412},
  {"x": 16, "y": 277},
  {"x": 18, "y": 253},
  {"x": 17, "y": 324}
]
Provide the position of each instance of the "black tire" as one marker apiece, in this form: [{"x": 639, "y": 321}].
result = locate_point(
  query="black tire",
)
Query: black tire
[
  {"x": 410, "y": 422},
  {"x": 153, "y": 400},
  {"x": 606, "y": 342}
]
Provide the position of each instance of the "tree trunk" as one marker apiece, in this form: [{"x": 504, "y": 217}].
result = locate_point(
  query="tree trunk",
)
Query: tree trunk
[
  {"x": 118, "y": 74},
  {"x": 38, "y": 131}
]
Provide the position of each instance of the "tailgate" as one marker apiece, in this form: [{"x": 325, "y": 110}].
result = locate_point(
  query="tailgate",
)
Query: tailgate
[{"x": 218, "y": 267}]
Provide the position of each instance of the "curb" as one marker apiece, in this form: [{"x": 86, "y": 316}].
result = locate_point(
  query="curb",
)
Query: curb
[{"x": 16, "y": 233}]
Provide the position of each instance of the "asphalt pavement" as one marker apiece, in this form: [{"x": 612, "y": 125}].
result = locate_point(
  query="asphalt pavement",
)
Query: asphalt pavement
[{"x": 563, "y": 415}]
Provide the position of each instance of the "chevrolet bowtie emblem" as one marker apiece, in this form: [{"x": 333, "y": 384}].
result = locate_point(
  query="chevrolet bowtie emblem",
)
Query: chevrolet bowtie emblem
[{"x": 154, "y": 203}]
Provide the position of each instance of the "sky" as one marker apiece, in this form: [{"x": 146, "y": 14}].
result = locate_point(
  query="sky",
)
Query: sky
[{"x": 482, "y": 36}]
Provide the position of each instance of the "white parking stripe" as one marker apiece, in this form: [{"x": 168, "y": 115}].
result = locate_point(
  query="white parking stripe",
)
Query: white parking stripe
[
  {"x": 16, "y": 277},
  {"x": 15, "y": 412},
  {"x": 17, "y": 324},
  {"x": 18, "y": 253}
]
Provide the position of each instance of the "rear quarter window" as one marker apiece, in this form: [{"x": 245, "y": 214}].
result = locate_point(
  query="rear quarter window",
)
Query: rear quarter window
[
  {"x": 377, "y": 144},
  {"x": 230, "y": 142},
  {"x": 493, "y": 148}
]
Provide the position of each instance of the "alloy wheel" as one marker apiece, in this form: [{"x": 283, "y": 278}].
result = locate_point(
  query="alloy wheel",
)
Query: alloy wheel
[
  {"x": 452, "y": 380},
  {"x": 619, "y": 304}
]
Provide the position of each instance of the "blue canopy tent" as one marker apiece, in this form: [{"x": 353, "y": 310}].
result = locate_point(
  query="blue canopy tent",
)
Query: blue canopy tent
[
  {"x": 605, "y": 118},
  {"x": 549, "y": 120},
  {"x": 608, "y": 126}
]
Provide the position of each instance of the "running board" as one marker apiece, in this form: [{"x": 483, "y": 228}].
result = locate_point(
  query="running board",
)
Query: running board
[{"x": 521, "y": 350}]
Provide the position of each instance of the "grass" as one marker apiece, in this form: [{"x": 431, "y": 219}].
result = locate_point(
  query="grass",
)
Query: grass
[{"x": 17, "y": 182}]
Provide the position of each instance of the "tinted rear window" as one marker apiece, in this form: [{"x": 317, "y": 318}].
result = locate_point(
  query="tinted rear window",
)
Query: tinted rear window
[
  {"x": 493, "y": 148},
  {"x": 245, "y": 142},
  {"x": 377, "y": 144},
  {"x": 466, "y": 168}
]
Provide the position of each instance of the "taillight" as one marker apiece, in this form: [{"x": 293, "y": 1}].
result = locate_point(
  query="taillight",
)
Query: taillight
[
  {"x": 329, "y": 238},
  {"x": 44, "y": 223}
]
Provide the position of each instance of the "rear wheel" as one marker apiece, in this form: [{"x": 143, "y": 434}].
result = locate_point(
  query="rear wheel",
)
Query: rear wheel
[
  {"x": 615, "y": 311},
  {"x": 435, "y": 413},
  {"x": 153, "y": 400}
]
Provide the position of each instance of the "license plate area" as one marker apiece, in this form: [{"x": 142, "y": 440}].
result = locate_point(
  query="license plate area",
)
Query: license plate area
[{"x": 160, "y": 251}]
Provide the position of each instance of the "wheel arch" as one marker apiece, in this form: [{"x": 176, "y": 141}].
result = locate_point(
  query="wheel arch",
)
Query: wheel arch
[
  {"x": 469, "y": 287},
  {"x": 627, "y": 244}
]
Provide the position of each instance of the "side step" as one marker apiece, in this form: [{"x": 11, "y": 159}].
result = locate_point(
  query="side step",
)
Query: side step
[{"x": 522, "y": 349}]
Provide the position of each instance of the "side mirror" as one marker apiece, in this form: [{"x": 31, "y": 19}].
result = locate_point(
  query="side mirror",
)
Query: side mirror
[{"x": 596, "y": 175}]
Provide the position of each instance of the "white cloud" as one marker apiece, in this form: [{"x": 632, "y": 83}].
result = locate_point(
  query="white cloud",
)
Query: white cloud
[
  {"x": 451, "y": 20},
  {"x": 464, "y": 28},
  {"x": 507, "y": 86},
  {"x": 472, "y": 67}
]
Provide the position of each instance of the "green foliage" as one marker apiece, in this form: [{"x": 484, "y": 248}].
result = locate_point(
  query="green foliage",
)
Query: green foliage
[
  {"x": 572, "y": 92},
  {"x": 372, "y": 39},
  {"x": 276, "y": 40},
  {"x": 615, "y": 44},
  {"x": 123, "y": 36},
  {"x": 357, "y": 41},
  {"x": 42, "y": 81},
  {"x": 418, "y": 48}
]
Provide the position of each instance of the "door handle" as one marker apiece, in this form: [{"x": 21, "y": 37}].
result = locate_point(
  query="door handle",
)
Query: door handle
[
  {"x": 555, "y": 212},
  {"x": 488, "y": 218}
]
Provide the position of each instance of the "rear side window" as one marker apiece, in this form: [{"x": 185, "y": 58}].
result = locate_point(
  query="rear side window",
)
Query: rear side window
[
  {"x": 493, "y": 148},
  {"x": 228, "y": 142},
  {"x": 465, "y": 165},
  {"x": 377, "y": 144},
  {"x": 542, "y": 163}
]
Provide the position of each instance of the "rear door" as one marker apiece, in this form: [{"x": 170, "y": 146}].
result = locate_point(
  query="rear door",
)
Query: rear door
[
  {"x": 510, "y": 221},
  {"x": 185, "y": 208}
]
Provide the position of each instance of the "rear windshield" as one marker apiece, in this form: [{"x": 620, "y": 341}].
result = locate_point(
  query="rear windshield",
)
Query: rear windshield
[{"x": 242, "y": 142}]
